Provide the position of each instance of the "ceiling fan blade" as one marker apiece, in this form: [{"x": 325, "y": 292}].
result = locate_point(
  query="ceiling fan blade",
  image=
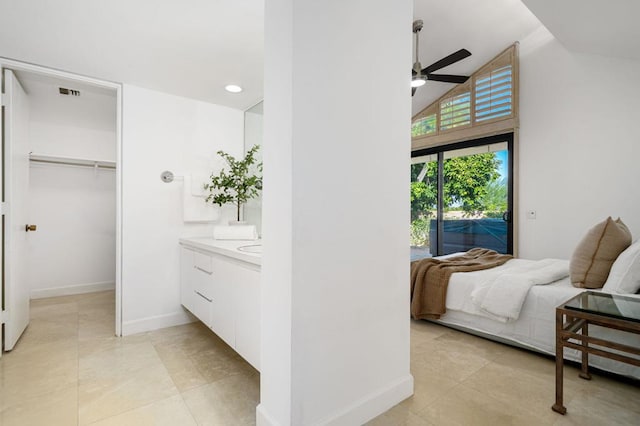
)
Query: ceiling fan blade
[
  {"x": 413, "y": 90},
  {"x": 447, "y": 60},
  {"x": 448, "y": 78}
]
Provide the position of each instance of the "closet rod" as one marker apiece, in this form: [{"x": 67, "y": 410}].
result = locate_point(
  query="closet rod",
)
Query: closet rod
[{"x": 71, "y": 163}]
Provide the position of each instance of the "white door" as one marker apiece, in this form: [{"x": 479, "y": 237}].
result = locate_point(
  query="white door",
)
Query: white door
[{"x": 15, "y": 212}]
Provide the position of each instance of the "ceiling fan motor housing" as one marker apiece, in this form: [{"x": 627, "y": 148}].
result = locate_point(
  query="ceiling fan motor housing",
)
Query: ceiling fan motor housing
[{"x": 420, "y": 75}]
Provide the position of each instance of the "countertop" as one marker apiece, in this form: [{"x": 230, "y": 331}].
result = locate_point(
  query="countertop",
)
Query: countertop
[{"x": 227, "y": 248}]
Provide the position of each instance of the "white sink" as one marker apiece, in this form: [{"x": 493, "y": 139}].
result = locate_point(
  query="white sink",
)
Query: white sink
[{"x": 253, "y": 248}]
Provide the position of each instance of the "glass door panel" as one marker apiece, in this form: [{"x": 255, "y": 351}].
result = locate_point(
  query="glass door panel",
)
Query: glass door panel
[
  {"x": 424, "y": 202},
  {"x": 475, "y": 199}
]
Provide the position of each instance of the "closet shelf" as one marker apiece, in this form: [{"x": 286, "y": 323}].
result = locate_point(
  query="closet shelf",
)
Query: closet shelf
[{"x": 71, "y": 161}]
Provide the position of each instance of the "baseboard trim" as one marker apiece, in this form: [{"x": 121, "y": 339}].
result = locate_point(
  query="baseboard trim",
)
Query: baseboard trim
[
  {"x": 372, "y": 405},
  {"x": 154, "y": 323},
  {"x": 72, "y": 289},
  {"x": 263, "y": 418},
  {"x": 361, "y": 411}
]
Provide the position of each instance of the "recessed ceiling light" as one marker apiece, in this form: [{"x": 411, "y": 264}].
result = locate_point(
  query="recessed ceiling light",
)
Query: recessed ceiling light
[{"x": 233, "y": 88}]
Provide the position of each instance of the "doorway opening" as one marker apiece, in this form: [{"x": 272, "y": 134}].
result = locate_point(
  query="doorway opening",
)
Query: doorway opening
[{"x": 61, "y": 188}]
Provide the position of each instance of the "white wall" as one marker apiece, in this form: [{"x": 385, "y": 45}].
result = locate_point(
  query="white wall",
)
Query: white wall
[
  {"x": 164, "y": 132},
  {"x": 335, "y": 299},
  {"x": 73, "y": 249},
  {"x": 579, "y": 145}
]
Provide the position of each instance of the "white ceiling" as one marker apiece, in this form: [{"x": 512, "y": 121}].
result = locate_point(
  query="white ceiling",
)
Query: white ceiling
[
  {"x": 190, "y": 48},
  {"x": 608, "y": 28},
  {"x": 95, "y": 108},
  {"x": 193, "y": 48}
]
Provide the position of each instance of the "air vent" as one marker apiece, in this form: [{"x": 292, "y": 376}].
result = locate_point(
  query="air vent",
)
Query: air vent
[{"x": 65, "y": 91}]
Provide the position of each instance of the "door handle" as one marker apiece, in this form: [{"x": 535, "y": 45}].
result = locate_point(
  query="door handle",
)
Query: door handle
[
  {"x": 28, "y": 227},
  {"x": 506, "y": 216}
]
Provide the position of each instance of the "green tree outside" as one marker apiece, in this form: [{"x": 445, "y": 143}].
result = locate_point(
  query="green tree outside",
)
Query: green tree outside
[{"x": 471, "y": 184}]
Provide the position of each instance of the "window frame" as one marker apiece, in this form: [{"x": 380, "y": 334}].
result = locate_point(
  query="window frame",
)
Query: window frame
[{"x": 488, "y": 140}]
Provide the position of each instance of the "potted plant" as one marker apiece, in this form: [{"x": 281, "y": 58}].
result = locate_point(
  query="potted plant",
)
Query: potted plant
[{"x": 238, "y": 185}]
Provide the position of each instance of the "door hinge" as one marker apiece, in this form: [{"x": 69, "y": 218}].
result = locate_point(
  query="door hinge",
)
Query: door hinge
[
  {"x": 3, "y": 206},
  {"x": 3, "y": 99},
  {"x": 3, "y": 316}
]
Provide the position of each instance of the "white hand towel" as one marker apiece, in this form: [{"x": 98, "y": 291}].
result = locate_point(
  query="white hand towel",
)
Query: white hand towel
[
  {"x": 195, "y": 209},
  {"x": 235, "y": 232},
  {"x": 197, "y": 185}
]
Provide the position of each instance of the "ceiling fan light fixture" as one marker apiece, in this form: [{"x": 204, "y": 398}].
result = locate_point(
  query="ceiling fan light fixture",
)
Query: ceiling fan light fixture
[{"x": 418, "y": 80}]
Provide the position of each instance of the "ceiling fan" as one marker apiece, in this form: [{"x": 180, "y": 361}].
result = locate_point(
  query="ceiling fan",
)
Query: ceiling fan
[{"x": 421, "y": 75}]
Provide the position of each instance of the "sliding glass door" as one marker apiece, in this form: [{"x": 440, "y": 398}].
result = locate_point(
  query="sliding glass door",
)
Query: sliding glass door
[{"x": 461, "y": 197}]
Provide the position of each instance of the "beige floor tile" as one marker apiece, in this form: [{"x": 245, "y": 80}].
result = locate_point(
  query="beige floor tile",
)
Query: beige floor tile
[
  {"x": 220, "y": 363},
  {"x": 520, "y": 389},
  {"x": 462, "y": 406},
  {"x": 428, "y": 386},
  {"x": 46, "y": 353},
  {"x": 537, "y": 364},
  {"x": 58, "y": 408},
  {"x": 400, "y": 415},
  {"x": 36, "y": 303},
  {"x": 99, "y": 300},
  {"x": 229, "y": 401},
  {"x": 23, "y": 380},
  {"x": 48, "y": 311},
  {"x": 93, "y": 345},
  {"x": 175, "y": 334},
  {"x": 96, "y": 328},
  {"x": 425, "y": 330},
  {"x": 603, "y": 401},
  {"x": 487, "y": 348},
  {"x": 171, "y": 411},
  {"x": 70, "y": 369},
  {"x": 457, "y": 354},
  {"x": 190, "y": 338},
  {"x": 53, "y": 329},
  {"x": 105, "y": 394},
  {"x": 118, "y": 361},
  {"x": 182, "y": 369},
  {"x": 458, "y": 362}
]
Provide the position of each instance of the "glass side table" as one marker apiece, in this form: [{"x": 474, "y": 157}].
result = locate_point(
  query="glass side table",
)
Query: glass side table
[{"x": 572, "y": 331}]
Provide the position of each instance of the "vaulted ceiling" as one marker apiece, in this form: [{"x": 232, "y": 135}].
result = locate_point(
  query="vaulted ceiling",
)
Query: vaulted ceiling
[{"x": 193, "y": 48}]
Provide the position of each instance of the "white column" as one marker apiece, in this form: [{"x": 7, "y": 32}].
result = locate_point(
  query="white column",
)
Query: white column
[{"x": 335, "y": 274}]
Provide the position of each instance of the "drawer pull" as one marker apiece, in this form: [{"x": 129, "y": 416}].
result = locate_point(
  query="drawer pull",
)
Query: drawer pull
[
  {"x": 203, "y": 296},
  {"x": 203, "y": 270}
]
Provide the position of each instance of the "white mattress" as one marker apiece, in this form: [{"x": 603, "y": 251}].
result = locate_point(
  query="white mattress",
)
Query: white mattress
[{"x": 535, "y": 328}]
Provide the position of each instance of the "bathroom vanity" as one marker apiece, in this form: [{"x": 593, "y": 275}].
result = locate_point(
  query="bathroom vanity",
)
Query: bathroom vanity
[{"x": 220, "y": 285}]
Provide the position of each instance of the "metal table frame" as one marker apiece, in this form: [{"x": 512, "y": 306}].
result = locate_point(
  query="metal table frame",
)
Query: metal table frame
[{"x": 568, "y": 322}]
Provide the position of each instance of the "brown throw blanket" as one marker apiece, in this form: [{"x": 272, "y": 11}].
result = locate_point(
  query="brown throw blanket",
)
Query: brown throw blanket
[{"x": 430, "y": 278}]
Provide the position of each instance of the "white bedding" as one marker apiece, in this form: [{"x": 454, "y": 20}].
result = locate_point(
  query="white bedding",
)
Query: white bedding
[
  {"x": 535, "y": 327},
  {"x": 503, "y": 296}
]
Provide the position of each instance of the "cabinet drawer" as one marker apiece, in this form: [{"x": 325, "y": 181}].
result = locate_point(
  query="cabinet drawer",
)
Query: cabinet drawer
[
  {"x": 202, "y": 262},
  {"x": 202, "y": 281},
  {"x": 201, "y": 308}
]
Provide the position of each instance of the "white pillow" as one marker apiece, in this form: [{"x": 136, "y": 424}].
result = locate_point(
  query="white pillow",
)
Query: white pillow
[{"x": 624, "y": 277}]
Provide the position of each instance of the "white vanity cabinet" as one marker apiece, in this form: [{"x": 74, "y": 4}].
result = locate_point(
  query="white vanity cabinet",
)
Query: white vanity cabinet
[{"x": 223, "y": 291}]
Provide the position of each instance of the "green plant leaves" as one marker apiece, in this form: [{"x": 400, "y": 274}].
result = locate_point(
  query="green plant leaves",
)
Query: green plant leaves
[{"x": 239, "y": 183}]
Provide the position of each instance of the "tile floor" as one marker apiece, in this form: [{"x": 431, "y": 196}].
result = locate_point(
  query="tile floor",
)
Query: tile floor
[{"x": 69, "y": 369}]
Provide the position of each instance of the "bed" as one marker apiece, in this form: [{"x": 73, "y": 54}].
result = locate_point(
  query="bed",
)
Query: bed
[{"x": 534, "y": 327}]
